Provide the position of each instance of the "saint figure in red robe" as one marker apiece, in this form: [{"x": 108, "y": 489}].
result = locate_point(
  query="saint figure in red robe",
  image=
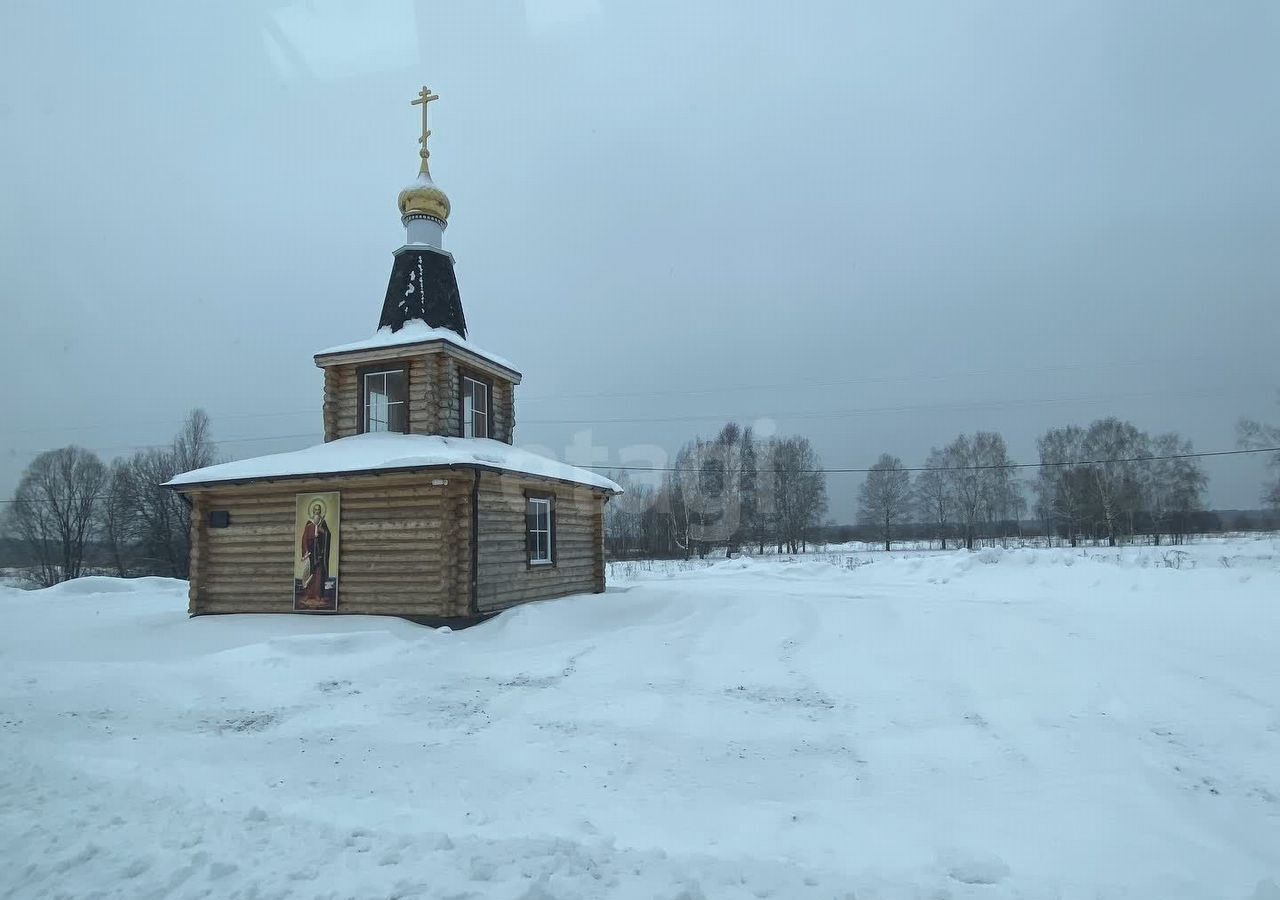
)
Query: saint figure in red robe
[{"x": 316, "y": 542}]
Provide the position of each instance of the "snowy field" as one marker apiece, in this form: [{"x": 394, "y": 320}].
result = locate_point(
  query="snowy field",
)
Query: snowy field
[{"x": 1002, "y": 724}]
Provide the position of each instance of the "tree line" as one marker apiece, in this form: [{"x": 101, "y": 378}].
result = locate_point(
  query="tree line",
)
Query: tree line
[
  {"x": 732, "y": 491},
  {"x": 72, "y": 513},
  {"x": 1109, "y": 481}
]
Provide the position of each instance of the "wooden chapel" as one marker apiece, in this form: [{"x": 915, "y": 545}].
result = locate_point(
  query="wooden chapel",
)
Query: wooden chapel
[{"x": 417, "y": 503}]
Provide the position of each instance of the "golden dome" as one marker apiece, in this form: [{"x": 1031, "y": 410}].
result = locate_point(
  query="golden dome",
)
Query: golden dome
[{"x": 423, "y": 198}]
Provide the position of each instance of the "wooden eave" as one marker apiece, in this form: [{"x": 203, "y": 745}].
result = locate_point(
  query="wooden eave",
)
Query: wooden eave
[
  {"x": 396, "y": 470},
  {"x": 400, "y": 351}
]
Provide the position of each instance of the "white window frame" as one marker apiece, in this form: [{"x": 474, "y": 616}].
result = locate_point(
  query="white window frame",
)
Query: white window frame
[
  {"x": 366, "y": 395},
  {"x": 546, "y": 504},
  {"x": 469, "y": 412}
]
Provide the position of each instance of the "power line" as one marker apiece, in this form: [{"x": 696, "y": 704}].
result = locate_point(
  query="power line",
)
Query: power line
[
  {"x": 220, "y": 441},
  {"x": 874, "y": 410},
  {"x": 784, "y": 416},
  {"x": 850, "y": 470},
  {"x": 693, "y": 391},
  {"x": 1039, "y": 465},
  {"x": 887, "y": 379}
]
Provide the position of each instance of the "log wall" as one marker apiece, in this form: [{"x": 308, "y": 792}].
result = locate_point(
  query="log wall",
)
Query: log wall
[
  {"x": 504, "y": 576},
  {"x": 404, "y": 544},
  {"x": 504, "y": 414},
  {"x": 449, "y": 397},
  {"x": 434, "y": 396}
]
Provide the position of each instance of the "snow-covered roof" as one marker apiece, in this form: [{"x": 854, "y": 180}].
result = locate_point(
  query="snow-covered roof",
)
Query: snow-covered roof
[
  {"x": 417, "y": 332},
  {"x": 382, "y": 452}
]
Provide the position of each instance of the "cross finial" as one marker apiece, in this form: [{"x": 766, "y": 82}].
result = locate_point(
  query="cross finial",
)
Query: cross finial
[{"x": 424, "y": 97}]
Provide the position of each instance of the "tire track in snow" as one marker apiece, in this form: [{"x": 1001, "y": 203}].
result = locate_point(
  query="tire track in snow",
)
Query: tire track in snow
[
  {"x": 809, "y": 623},
  {"x": 164, "y": 844}
]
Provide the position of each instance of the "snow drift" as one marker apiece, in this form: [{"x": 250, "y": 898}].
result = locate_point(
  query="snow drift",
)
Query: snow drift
[{"x": 1028, "y": 723}]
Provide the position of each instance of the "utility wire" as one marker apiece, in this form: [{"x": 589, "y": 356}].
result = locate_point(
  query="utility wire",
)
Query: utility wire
[
  {"x": 690, "y": 391},
  {"x": 783, "y": 416},
  {"x": 312, "y": 435},
  {"x": 1039, "y": 465},
  {"x": 873, "y": 410},
  {"x": 850, "y": 470},
  {"x": 878, "y": 380}
]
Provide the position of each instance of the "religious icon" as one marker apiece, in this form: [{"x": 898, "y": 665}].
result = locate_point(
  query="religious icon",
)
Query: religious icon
[{"x": 315, "y": 569}]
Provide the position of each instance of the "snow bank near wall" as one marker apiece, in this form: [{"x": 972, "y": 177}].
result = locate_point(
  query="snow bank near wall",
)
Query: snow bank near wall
[
  {"x": 992, "y": 725},
  {"x": 94, "y": 585}
]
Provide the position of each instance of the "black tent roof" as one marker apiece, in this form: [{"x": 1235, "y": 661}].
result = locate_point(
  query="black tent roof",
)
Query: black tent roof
[{"x": 423, "y": 286}]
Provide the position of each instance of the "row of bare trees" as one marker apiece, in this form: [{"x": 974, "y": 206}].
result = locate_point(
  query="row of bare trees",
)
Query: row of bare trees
[
  {"x": 72, "y": 513},
  {"x": 1108, "y": 481},
  {"x": 1112, "y": 480},
  {"x": 731, "y": 491},
  {"x": 964, "y": 486}
]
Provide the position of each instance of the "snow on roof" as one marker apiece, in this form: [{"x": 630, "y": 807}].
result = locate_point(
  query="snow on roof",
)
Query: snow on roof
[
  {"x": 382, "y": 451},
  {"x": 417, "y": 332}
]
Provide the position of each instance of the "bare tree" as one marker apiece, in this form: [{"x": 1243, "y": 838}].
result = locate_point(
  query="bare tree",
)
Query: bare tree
[
  {"x": 717, "y": 495},
  {"x": 1172, "y": 488},
  {"x": 656, "y": 519},
  {"x": 696, "y": 491},
  {"x": 731, "y": 450},
  {"x": 118, "y": 518},
  {"x": 799, "y": 491},
  {"x": 965, "y": 483},
  {"x": 980, "y": 482},
  {"x": 162, "y": 516},
  {"x": 193, "y": 448},
  {"x": 933, "y": 494},
  {"x": 884, "y": 500},
  {"x": 763, "y": 520},
  {"x": 621, "y": 524},
  {"x": 748, "y": 489},
  {"x": 1255, "y": 435},
  {"x": 1015, "y": 506},
  {"x": 53, "y": 511},
  {"x": 1062, "y": 484},
  {"x": 999, "y": 490},
  {"x": 1111, "y": 445}
]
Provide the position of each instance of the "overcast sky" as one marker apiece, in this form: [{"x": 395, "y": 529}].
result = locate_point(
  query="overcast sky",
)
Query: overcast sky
[{"x": 875, "y": 224}]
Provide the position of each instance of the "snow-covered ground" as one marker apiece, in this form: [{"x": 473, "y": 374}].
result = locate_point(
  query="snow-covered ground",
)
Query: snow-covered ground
[{"x": 1030, "y": 723}]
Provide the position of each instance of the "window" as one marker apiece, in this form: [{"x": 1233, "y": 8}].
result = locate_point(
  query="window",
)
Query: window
[
  {"x": 385, "y": 408},
  {"x": 539, "y": 517},
  {"x": 475, "y": 407}
]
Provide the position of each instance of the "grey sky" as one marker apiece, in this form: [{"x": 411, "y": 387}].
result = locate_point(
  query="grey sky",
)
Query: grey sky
[{"x": 877, "y": 224}]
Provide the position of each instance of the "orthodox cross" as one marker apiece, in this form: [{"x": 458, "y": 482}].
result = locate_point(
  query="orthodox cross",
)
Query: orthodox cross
[{"x": 424, "y": 97}]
